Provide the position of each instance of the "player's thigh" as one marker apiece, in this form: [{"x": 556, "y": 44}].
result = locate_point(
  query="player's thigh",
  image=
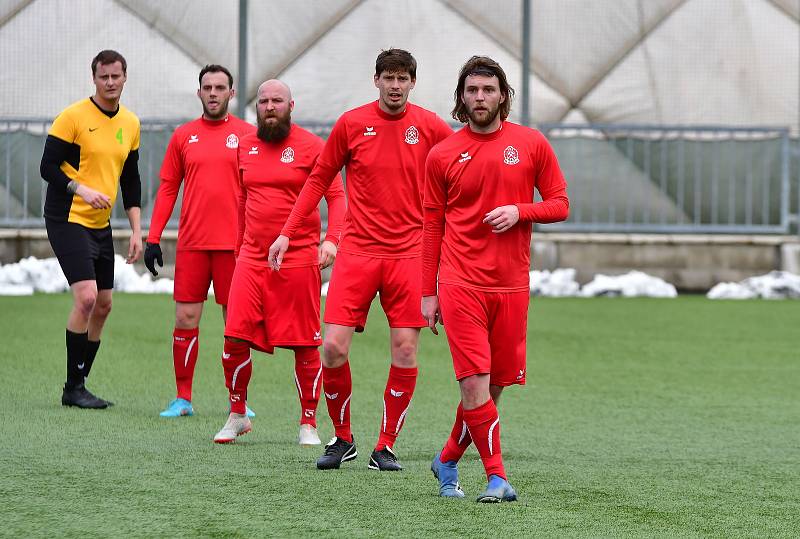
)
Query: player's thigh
[
  {"x": 400, "y": 292},
  {"x": 245, "y": 312},
  {"x": 71, "y": 245},
  {"x": 466, "y": 323},
  {"x": 192, "y": 275},
  {"x": 222, "y": 265},
  {"x": 352, "y": 288},
  {"x": 291, "y": 307},
  {"x": 102, "y": 246},
  {"x": 508, "y": 330}
]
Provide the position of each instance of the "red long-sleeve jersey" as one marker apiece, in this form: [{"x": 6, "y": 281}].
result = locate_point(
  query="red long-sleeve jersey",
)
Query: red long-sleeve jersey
[
  {"x": 272, "y": 175},
  {"x": 202, "y": 155},
  {"x": 384, "y": 160},
  {"x": 467, "y": 176}
]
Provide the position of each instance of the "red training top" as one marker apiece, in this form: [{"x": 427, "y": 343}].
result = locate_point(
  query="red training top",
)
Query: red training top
[
  {"x": 273, "y": 173},
  {"x": 384, "y": 155},
  {"x": 467, "y": 176},
  {"x": 202, "y": 154}
]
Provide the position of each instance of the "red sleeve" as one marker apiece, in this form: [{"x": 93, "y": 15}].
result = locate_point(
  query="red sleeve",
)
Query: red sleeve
[
  {"x": 550, "y": 183},
  {"x": 336, "y": 209},
  {"x": 433, "y": 224},
  {"x": 330, "y": 162},
  {"x": 171, "y": 177},
  {"x": 240, "y": 216}
]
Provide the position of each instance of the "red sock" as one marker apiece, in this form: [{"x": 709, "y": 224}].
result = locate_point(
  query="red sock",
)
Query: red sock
[
  {"x": 185, "y": 343},
  {"x": 459, "y": 439},
  {"x": 238, "y": 367},
  {"x": 484, "y": 427},
  {"x": 307, "y": 376},
  {"x": 396, "y": 400},
  {"x": 338, "y": 388}
]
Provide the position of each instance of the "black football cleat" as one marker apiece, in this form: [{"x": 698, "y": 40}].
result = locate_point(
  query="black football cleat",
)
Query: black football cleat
[
  {"x": 384, "y": 460},
  {"x": 336, "y": 452},
  {"x": 81, "y": 397}
]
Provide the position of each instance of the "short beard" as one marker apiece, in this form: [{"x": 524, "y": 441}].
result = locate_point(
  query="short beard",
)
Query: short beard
[
  {"x": 269, "y": 132},
  {"x": 223, "y": 112},
  {"x": 489, "y": 119}
]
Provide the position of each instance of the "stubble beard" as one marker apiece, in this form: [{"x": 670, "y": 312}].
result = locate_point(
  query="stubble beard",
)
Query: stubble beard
[
  {"x": 274, "y": 132},
  {"x": 223, "y": 111},
  {"x": 492, "y": 114}
]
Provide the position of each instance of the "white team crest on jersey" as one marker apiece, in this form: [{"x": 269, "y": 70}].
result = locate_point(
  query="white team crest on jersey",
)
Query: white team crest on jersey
[
  {"x": 232, "y": 141},
  {"x": 412, "y": 135},
  {"x": 510, "y": 155},
  {"x": 288, "y": 155}
]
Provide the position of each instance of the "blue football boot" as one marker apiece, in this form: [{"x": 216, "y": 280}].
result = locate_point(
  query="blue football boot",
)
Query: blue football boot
[
  {"x": 447, "y": 474},
  {"x": 498, "y": 490},
  {"x": 178, "y": 408}
]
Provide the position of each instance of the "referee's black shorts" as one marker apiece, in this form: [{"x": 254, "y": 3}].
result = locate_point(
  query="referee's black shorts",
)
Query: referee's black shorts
[{"x": 83, "y": 253}]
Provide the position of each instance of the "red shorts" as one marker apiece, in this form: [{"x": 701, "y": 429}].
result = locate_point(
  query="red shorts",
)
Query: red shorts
[
  {"x": 274, "y": 308},
  {"x": 357, "y": 278},
  {"x": 486, "y": 332},
  {"x": 194, "y": 271}
]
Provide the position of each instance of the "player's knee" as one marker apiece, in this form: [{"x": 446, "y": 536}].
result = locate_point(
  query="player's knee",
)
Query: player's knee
[
  {"x": 334, "y": 353},
  {"x": 404, "y": 355},
  {"x": 187, "y": 318},
  {"x": 85, "y": 302},
  {"x": 102, "y": 308}
]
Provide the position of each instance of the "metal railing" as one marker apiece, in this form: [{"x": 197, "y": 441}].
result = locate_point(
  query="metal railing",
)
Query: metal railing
[{"x": 622, "y": 178}]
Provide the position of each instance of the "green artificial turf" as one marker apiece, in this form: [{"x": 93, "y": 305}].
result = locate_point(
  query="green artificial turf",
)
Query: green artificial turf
[{"x": 641, "y": 417}]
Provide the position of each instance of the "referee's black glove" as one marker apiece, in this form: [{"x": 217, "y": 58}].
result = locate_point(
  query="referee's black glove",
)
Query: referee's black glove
[{"x": 152, "y": 254}]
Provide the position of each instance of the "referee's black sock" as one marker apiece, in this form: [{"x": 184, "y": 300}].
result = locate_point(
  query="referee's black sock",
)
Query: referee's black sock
[
  {"x": 77, "y": 347},
  {"x": 91, "y": 353}
]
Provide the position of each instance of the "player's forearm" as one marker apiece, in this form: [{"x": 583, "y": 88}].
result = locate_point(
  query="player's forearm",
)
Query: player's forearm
[
  {"x": 336, "y": 211},
  {"x": 240, "y": 216},
  {"x": 432, "y": 234},
  {"x": 166, "y": 197},
  {"x": 552, "y": 210},
  {"x": 56, "y": 151},
  {"x": 135, "y": 219},
  {"x": 310, "y": 196}
]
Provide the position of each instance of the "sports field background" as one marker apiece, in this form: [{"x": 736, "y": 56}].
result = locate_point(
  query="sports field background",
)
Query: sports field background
[{"x": 642, "y": 417}]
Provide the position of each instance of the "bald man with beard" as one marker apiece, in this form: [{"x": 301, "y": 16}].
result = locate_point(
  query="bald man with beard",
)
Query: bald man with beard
[{"x": 266, "y": 308}]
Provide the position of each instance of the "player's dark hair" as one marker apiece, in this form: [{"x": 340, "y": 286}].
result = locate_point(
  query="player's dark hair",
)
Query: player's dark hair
[
  {"x": 482, "y": 65},
  {"x": 396, "y": 61},
  {"x": 215, "y": 68},
  {"x": 108, "y": 57}
]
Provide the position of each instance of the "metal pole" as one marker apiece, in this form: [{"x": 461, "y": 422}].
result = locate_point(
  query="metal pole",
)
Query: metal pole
[
  {"x": 241, "y": 101},
  {"x": 526, "y": 61}
]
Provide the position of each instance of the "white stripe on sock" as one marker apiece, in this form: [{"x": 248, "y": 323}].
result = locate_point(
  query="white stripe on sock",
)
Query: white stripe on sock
[
  {"x": 316, "y": 384},
  {"x": 491, "y": 430},
  {"x": 236, "y": 373},
  {"x": 463, "y": 432},
  {"x": 341, "y": 413},
  {"x": 402, "y": 418},
  {"x": 297, "y": 383},
  {"x": 189, "y": 351}
]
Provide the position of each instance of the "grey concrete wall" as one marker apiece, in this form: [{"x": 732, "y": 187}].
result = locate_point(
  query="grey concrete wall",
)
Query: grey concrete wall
[{"x": 690, "y": 262}]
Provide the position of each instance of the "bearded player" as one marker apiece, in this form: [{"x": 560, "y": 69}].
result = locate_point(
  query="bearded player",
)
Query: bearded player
[
  {"x": 479, "y": 211},
  {"x": 383, "y": 145},
  {"x": 202, "y": 155},
  {"x": 267, "y": 308}
]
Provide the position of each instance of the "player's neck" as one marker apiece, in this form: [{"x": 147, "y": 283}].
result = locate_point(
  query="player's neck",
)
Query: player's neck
[
  {"x": 106, "y": 104},
  {"x": 222, "y": 118},
  {"x": 496, "y": 125},
  {"x": 392, "y": 112}
]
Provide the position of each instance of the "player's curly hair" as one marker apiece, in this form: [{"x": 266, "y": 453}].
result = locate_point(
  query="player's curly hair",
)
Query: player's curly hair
[
  {"x": 394, "y": 61},
  {"x": 481, "y": 65},
  {"x": 108, "y": 57}
]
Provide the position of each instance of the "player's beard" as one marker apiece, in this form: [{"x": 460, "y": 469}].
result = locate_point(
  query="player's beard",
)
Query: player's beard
[
  {"x": 492, "y": 114},
  {"x": 222, "y": 111},
  {"x": 274, "y": 131}
]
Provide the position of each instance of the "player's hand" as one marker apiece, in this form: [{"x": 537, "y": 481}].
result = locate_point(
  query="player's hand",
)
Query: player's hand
[
  {"x": 431, "y": 312},
  {"x": 134, "y": 248},
  {"x": 327, "y": 254},
  {"x": 152, "y": 254},
  {"x": 95, "y": 199},
  {"x": 277, "y": 250},
  {"x": 502, "y": 218}
]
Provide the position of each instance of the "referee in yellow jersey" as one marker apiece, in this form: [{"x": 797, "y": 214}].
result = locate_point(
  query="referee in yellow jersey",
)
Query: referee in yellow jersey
[{"x": 92, "y": 149}]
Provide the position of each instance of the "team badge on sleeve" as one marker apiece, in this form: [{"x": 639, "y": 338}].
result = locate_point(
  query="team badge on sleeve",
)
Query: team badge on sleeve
[
  {"x": 288, "y": 155},
  {"x": 510, "y": 155},
  {"x": 412, "y": 135},
  {"x": 232, "y": 141}
]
